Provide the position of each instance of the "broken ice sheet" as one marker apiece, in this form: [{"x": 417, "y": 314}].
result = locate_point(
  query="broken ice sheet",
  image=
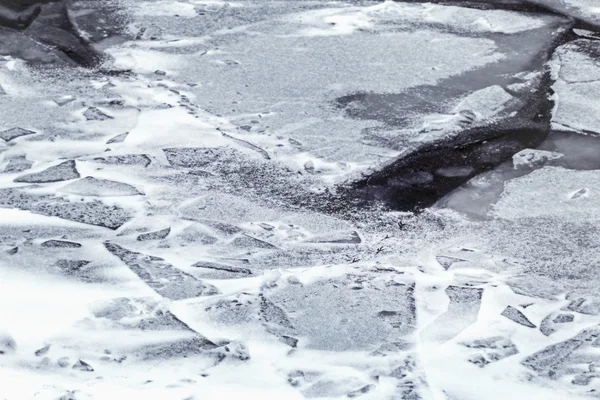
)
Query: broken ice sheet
[
  {"x": 237, "y": 231},
  {"x": 578, "y": 86},
  {"x": 319, "y": 312},
  {"x": 92, "y": 212}
]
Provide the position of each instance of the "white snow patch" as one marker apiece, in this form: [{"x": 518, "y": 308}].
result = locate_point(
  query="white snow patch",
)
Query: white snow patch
[
  {"x": 166, "y": 9},
  {"x": 174, "y": 127},
  {"x": 347, "y": 20}
]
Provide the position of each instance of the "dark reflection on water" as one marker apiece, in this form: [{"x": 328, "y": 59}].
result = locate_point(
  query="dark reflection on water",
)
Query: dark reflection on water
[
  {"x": 523, "y": 52},
  {"x": 423, "y": 175}
]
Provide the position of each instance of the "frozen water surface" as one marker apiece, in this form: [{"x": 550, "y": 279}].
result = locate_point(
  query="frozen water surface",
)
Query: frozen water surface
[{"x": 205, "y": 199}]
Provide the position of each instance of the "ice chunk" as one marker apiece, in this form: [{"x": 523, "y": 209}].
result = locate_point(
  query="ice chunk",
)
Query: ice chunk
[
  {"x": 14, "y": 133},
  {"x": 517, "y": 316},
  {"x": 42, "y": 351},
  {"x": 485, "y": 103},
  {"x": 127, "y": 159},
  {"x": 551, "y": 192},
  {"x": 337, "y": 238},
  {"x": 161, "y": 276},
  {"x": 90, "y": 186},
  {"x": 61, "y": 172},
  {"x": 238, "y": 209},
  {"x": 191, "y": 157},
  {"x": 197, "y": 233},
  {"x": 331, "y": 22},
  {"x": 18, "y": 164},
  {"x": 354, "y": 307},
  {"x": 81, "y": 365},
  {"x": 186, "y": 347},
  {"x": 156, "y": 235},
  {"x": 563, "y": 318},
  {"x": 586, "y": 11},
  {"x": 222, "y": 267},
  {"x": 492, "y": 349},
  {"x": 95, "y": 114},
  {"x": 531, "y": 158},
  {"x": 578, "y": 86},
  {"x": 61, "y": 244},
  {"x": 118, "y": 139},
  {"x": 91, "y": 212},
  {"x": 584, "y": 305},
  {"x": 247, "y": 241},
  {"x": 550, "y": 359}
]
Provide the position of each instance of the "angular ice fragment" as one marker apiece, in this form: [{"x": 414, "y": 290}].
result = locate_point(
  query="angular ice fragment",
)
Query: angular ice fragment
[
  {"x": 161, "y": 276},
  {"x": 95, "y": 114},
  {"x": 118, "y": 139},
  {"x": 90, "y": 186},
  {"x": 485, "y": 103},
  {"x": 81, "y": 365},
  {"x": 517, "y": 316},
  {"x": 62, "y": 172},
  {"x": 14, "y": 133},
  {"x": 61, "y": 244},
  {"x": 157, "y": 235},
  {"x": 337, "y": 238},
  {"x": 18, "y": 164}
]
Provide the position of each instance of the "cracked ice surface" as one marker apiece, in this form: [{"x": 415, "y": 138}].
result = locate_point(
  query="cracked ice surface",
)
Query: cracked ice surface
[
  {"x": 169, "y": 226},
  {"x": 578, "y": 86}
]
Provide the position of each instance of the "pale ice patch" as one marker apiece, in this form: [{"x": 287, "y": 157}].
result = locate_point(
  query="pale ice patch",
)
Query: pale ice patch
[
  {"x": 575, "y": 65},
  {"x": 577, "y": 86},
  {"x": 531, "y": 158},
  {"x": 216, "y": 3},
  {"x": 347, "y": 20},
  {"x": 578, "y": 106},
  {"x": 144, "y": 61},
  {"x": 90, "y": 186},
  {"x": 175, "y": 127},
  {"x": 340, "y": 25},
  {"x": 485, "y": 103},
  {"x": 585, "y": 10},
  {"x": 482, "y": 106},
  {"x": 37, "y": 308},
  {"x": 551, "y": 192},
  {"x": 166, "y": 9},
  {"x": 496, "y": 21}
]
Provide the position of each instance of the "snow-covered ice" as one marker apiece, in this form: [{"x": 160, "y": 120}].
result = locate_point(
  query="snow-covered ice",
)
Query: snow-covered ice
[{"x": 182, "y": 220}]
